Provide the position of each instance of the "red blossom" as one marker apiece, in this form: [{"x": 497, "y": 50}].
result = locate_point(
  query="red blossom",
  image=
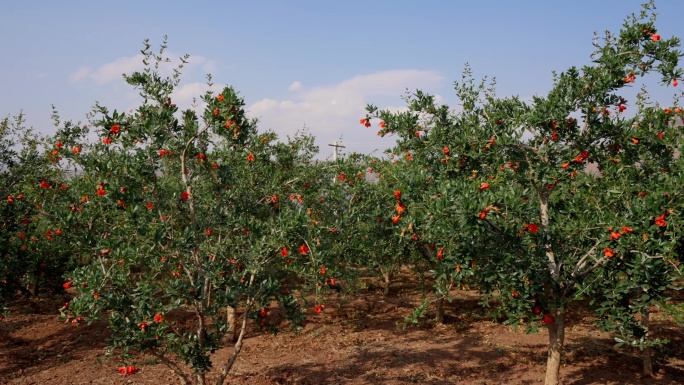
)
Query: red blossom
[
  {"x": 184, "y": 196},
  {"x": 67, "y": 285},
  {"x": 44, "y": 184},
  {"x": 554, "y": 137},
  {"x": 250, "y": 158},
  {"x": 59, "y": 144},
  {"x": 220, "y": 98},
  {"x": 284, "y": 252},
  {"x": 395, "y": 219},
  {"x": 445, "y": 150},
  {"x": 440, "y": 252},
  {"x": 304, "y": 249},
  {"x": 143, "y": 326},
  {"x": 483, "y": 186},
  {"x": 382, "y": 124},
  {"x": 532, "y": 227},
  {"x": 547, "y": 319},
  {"x": 655, "y": 37},
  {"x": 101, "y": 191},
  {"x": 608, "y": 252},
  {"x": 397, "y": 194},
  {"x": 128, "y": 370},
  {"x": 76, "y": 150},
  {"x": 115, "y": 129},
  {"x": 614, "y": 235},
  {"x": 158, "y": 318}
]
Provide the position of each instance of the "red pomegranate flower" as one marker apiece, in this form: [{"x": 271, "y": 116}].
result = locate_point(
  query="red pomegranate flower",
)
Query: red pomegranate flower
[{"x": 128, "y": 370}]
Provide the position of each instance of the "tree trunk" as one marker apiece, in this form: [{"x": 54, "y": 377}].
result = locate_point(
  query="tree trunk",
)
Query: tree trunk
[
  {"x": 238, "y": 342},
  {"x": 439, "y": 310},
  {"x": 232, "y": 323},
  {"x": 556, "y": 340},
  {"x": 646, "y": 352},
  {"x": 387, "y": 281}
]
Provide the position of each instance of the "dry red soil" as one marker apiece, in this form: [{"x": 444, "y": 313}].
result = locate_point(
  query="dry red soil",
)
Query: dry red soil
[{"x": 355, "y": 340}]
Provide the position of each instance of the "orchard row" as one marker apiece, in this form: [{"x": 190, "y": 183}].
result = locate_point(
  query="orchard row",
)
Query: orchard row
[{"x": 573, "y": 196}]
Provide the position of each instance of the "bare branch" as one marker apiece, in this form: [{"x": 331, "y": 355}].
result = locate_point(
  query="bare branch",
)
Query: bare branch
[
  {"x": 582, "y": 262},
  {"x": 172, "y": 365}
]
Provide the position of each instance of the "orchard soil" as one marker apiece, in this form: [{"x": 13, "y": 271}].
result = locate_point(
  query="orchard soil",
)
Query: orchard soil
[{"x": 354, "y": 340}]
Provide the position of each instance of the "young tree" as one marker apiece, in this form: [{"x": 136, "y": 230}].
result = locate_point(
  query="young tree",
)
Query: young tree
[
  {"x": 533, "y": 212},
  {"x": 32, "y": 253},
  {"x": 182, "y": 217}
]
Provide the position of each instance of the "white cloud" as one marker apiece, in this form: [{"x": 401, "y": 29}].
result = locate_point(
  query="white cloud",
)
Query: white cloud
[
  {"x": 183, "y": 95},
  {"x": 331, "y": 112},
  {"x": 109, "y": 71},
  {"x": 113, "y": 70},
  {"x": 295, "y": 86}
]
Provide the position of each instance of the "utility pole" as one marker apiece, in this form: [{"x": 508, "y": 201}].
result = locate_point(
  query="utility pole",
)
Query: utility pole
[{"x": 336, "y": 147}]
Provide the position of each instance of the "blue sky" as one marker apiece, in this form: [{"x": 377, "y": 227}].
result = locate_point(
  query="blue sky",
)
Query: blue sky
[{"x": 299, "y": 63}]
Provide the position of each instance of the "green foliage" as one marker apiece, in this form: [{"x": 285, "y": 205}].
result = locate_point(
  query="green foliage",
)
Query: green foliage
[
  {"x": 182, "y": 218},
  {"x": 33, "y": 255},
  {"x": 553, "y": 200}
]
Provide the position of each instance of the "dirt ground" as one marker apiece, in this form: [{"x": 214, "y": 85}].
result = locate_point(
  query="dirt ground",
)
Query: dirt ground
[{"x": 355, "y": 340}]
